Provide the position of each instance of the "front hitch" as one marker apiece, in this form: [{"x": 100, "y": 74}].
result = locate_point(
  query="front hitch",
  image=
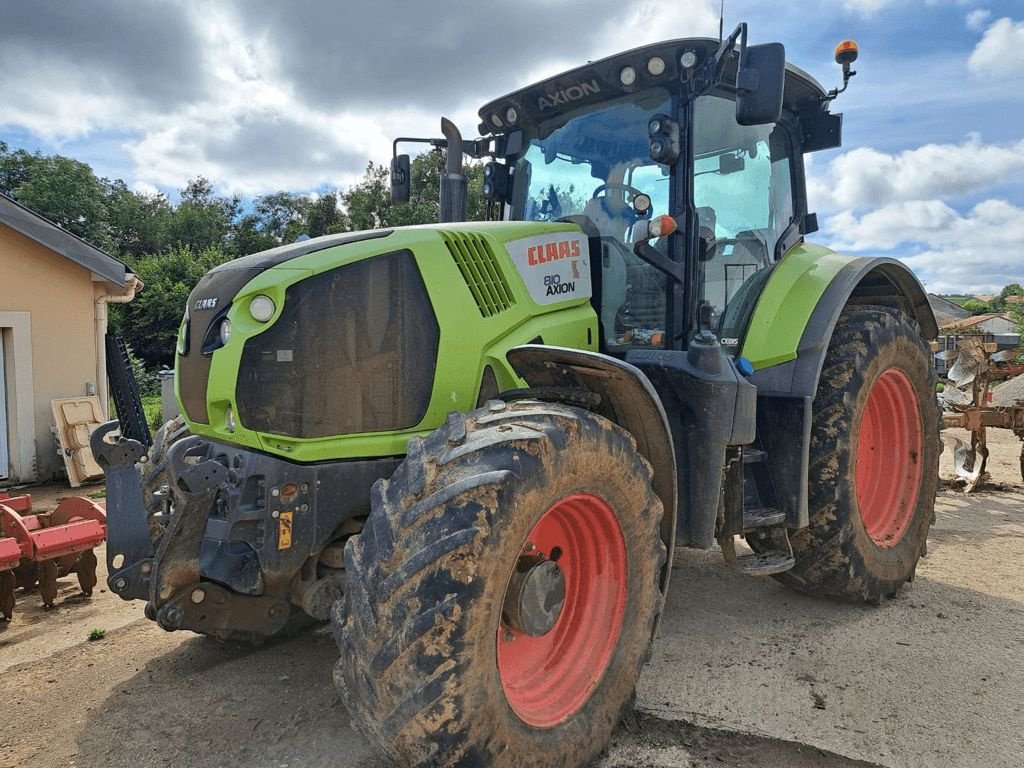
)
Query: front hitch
[
  {"x": 129, "y": 549},
  {"x": 196, "y": 479}
]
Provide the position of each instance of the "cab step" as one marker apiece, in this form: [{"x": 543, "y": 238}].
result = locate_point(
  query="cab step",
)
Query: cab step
[
  {"x": 762, "y": 517},
  {"x": 765, "y": 563},
  {"x": 774, "y": 552}
]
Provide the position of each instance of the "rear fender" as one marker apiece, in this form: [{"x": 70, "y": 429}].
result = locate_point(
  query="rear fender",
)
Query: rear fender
[{"x": 788, "y": 339}]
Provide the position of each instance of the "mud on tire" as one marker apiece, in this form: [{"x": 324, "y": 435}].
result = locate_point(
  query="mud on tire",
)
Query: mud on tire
[
  {"x": 864, "y": 541},
  {"x": 421, "y": 620}
]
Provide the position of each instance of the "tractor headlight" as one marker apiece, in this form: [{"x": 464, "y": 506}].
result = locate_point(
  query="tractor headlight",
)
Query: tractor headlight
[
  {"x": 183, "y": 335},
  {"x": 229, "y": 419},
  {"x": 224, "y": 333},
  {"x": 262, "y": 308}
]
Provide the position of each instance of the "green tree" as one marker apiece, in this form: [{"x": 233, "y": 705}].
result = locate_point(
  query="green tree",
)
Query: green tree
[
  {"x": 138, "y": 223},
  {"x": 276, "y": 219},
  {"x": 150, "y": 322},
  {"x": 65, "y": 191},
  {"x": 15, "y": 168},
  {"x": 368, "y": 203},
  {"x": 323, "y": 216},
  {"x": 976, "y": 307},
  {"x": 202, "y": 220}
]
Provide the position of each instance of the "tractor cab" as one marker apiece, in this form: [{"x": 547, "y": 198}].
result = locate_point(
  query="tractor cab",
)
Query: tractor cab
[{"x": 708, "y": 133}]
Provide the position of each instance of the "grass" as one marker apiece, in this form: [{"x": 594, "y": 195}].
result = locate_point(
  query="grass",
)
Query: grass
[
  {"x": 97, "y": 634},
  {"x": 152, "y": 407}
]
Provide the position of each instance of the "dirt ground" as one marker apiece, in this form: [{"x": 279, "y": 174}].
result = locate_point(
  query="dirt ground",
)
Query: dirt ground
[{"x": 745, "y": 673}]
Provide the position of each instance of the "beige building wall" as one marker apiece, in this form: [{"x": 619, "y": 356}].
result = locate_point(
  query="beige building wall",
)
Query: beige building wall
[{"x": 59, "y": 299}]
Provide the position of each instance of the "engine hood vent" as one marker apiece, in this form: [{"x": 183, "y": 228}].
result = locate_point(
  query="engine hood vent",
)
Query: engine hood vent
[{"x": 480, "y": 269}]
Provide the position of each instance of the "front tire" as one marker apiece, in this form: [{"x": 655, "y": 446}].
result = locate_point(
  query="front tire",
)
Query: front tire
[
  {"x": 433, "y": 667},
  {"x": 874, "y": 460}
]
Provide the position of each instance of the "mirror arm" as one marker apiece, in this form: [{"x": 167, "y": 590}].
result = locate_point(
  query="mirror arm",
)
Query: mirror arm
[
  {"x": 651, "y": 255},
  {"x": 714, "y": 67}
]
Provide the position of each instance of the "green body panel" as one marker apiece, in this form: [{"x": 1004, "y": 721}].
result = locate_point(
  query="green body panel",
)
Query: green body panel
[
  {"x": 468, "y": 341},
  {"x": 785, "y": 305}
]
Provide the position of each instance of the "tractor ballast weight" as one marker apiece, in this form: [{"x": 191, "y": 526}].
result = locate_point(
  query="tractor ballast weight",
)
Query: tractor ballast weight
[{"x": 474, "y": 446}]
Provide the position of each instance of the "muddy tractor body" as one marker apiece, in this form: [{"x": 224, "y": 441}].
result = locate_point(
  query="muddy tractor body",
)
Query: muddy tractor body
[{"x": 474, "y": 446}]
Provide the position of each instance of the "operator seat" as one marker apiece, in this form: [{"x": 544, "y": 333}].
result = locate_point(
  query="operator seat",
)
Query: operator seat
[{"x": 734, "y": 261}]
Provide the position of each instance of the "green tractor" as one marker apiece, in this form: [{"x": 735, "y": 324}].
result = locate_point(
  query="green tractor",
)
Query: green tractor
[{"x": 473, "y": 447}]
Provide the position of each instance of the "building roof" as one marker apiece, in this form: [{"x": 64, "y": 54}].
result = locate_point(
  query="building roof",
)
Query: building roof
[
  {"x": 971, "y": 322},
  {"x": 942, "y": 305},
  {"x": 46, "y": 233}
]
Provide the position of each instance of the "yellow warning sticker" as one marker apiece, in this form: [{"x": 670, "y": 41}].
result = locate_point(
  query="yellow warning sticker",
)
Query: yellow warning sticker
[{"x": 284, "y": 530}]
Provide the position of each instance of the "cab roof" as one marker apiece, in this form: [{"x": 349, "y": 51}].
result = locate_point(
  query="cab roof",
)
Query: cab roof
[{"x": 598, "y": 81}]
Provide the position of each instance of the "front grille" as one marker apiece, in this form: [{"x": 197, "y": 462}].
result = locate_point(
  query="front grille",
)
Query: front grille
[
  {"x": 353, "y": 350},
  {"x": 481, "y": 271}
]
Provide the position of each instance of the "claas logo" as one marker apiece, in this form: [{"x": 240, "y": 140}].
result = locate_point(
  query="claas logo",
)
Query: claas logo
[{"x": 542, "y": 254}]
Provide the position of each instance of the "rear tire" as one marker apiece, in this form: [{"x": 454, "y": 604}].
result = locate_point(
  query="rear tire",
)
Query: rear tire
[
  {"x": 874, "y": 460},
  {"x": 430, "y": 669}
]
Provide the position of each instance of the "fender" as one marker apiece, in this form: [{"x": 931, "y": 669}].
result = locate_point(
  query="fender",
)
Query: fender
[
  {"x": 626, "y": 398},
  {"x": 787, "y": 340}
]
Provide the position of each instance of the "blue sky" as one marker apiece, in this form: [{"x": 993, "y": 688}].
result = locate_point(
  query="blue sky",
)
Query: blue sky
[{"x": 262, "y": 95}]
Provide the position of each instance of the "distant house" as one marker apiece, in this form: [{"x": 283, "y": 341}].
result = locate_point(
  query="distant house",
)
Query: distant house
[
  {"x": 946, "y": 311},
  {"x": 996, "y": 330},
  {"x": 53, "y": 318},
  {"x": 994, "y": 324}
]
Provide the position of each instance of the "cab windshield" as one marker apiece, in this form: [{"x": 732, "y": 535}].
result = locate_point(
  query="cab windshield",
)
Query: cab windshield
[{"x": 593, "y": 164}]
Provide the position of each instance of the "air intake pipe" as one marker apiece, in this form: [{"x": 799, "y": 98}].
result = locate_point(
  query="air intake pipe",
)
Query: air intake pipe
[{"x": 454, "y": 184}]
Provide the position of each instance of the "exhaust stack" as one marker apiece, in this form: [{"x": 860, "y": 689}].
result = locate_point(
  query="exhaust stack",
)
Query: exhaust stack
[{"x": 454, "y": 184}]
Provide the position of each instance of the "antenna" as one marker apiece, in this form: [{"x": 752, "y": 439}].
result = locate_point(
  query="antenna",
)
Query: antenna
[{"x": 721, "y": 21}]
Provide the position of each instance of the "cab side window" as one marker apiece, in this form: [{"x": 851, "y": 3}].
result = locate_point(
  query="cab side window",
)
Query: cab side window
[{"x": 744, "y": 198}]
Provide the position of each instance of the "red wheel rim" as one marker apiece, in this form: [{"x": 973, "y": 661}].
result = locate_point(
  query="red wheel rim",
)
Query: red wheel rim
[
  {"x": 547, "y": 679},
  {"x": 889, "y": 446}
]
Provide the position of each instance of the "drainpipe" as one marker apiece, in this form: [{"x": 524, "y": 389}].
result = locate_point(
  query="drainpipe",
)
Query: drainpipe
[{"x": 132, "y": 286}]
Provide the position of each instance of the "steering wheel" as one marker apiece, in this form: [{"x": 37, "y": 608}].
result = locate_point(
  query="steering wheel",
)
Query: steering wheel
[{"x": 633, "y": 191}]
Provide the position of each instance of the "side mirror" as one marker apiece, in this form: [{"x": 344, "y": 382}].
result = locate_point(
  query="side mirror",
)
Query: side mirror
[
  {"x": 760, "y": 80},
  {"x": 400, "y": 182}
]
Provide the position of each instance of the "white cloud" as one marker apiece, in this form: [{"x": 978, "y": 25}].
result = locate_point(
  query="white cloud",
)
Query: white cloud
[
  {"x": 865, "y": 177},
  {"x": 1001, "y": 49},
  {"x": 867, "y": 7},
  {"x": 245, "y": 116},
  {"x": 977, "y": 18},
  {"x": 977, "y": 252},
  {"x": 145, "y": 188}
]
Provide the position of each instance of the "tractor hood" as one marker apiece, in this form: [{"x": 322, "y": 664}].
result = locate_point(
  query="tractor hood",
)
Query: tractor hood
[{"x": 366, "y": 334}]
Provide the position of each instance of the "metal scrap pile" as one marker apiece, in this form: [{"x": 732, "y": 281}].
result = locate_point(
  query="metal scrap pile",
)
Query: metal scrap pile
[{"x": 966, "y": 402}]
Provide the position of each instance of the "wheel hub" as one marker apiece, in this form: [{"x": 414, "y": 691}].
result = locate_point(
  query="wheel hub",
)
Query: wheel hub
[{"x": 535, "y": 596}]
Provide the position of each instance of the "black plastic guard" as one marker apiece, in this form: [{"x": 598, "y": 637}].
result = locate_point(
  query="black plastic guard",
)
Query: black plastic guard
[{"x": 710, "y": 406}]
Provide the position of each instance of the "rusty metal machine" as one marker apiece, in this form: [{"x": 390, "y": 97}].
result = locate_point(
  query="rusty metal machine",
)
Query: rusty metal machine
[
  {"x": 40, "y": 548},
  {"x": 977, "y": 367}
]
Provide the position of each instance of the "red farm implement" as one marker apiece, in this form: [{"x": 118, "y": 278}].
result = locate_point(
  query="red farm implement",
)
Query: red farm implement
[{"x": 40, "y": 548}]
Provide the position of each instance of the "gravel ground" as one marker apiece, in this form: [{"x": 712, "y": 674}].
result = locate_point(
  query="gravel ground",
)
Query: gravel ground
[{"x": 745, "y": 673}]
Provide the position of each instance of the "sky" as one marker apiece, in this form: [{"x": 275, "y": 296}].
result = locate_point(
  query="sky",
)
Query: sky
[{"x": 264, "y": 95}]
